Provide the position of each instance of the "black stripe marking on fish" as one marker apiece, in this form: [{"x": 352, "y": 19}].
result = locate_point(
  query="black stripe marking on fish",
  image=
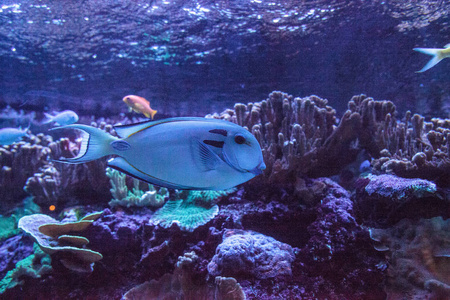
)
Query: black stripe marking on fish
[
  {"x": 217, "y": 144},
  {"x": 219, "y": 131}
]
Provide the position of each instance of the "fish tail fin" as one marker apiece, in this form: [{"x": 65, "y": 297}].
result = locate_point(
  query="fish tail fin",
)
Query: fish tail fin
[
  {"x": 432, "y": 62},
  {"x": 48, "y": 118},
  {"x": 26, "y": 129},
  {"x": 150, "y": 114},
  {"x": 95, "y": 146}
]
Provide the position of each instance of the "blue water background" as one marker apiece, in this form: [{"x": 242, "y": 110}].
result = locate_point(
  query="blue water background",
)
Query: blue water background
[{"x": 197, "y": 57}]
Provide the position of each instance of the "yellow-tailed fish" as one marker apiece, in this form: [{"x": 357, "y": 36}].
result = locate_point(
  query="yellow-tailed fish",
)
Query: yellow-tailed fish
[
  {"x": 179, "y": 153},
  {"x": 139, "y": 105},
  {"x": 437, "y": 53}
]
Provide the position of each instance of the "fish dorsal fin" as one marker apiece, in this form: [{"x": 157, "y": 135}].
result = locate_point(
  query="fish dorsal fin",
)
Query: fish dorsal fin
[
  {"x": 447, "y": 46},
  {"x": 125, "y": 131},
  {"x": 205, "y": 158}
]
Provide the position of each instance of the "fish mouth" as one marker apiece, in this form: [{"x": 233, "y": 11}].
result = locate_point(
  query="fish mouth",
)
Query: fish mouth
[{"x": 258, "y": 169}]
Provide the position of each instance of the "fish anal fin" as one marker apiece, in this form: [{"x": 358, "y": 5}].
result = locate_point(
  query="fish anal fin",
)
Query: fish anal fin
[{"x": 122, "y": 165}]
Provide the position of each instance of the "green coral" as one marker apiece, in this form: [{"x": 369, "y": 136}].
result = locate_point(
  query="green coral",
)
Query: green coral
[
  {"x": 136, "y": 197},
  {"x": 33, "y": 266},
  {"x": 191, "y": 210},
  {"x": 8, "y": 224}
]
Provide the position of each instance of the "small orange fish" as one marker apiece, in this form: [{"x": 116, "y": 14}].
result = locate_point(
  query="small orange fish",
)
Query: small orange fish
[{"x": 139, "y": 105}]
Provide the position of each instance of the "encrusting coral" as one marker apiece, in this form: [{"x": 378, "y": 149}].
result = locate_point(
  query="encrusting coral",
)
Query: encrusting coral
[
  {"x": 191, "y": 210},
  {"x": 8, "y": 224},
  {"x": 385, "y": 199},
  {"x": 55, "y": 237},
  {"x": 34, "y": 266},
  {"x": 419, "y": 258}
]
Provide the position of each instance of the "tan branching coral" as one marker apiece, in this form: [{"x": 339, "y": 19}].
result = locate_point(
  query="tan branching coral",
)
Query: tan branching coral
[
  {"x": 300, "y": 135},
  {"x": 416, "y": 148},
  {"x": 19, "y": 161},
  {"x": 53, "y": 237}
]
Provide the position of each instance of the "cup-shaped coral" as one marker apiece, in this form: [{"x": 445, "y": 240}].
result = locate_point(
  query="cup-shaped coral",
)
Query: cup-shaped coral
[{"x": 53, "y": 236}]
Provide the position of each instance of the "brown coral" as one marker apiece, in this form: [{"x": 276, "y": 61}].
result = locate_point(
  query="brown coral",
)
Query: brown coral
[
  {"x": 300, "y": 135},
  {"x": 18, "y": 162},
  {"x": 417, "y": 149}
]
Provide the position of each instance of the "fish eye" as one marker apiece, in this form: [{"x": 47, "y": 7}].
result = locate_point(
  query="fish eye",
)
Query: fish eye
[{"x": 239, "y": 139}]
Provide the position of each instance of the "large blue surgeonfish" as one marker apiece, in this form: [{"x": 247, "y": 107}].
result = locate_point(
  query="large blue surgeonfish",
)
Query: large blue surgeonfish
[{"x": 180, "y": 153}]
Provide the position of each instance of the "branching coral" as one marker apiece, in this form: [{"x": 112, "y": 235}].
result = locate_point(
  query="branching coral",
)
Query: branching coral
[
  {"x": 301, "y": 135},
  {"x": 53, "y": 236},
  {"x": 18, "y": 162},
  {"x": 195, "y": 208},
  {"x": 123, "y": 197},
  {"x": 419, "y": 258},
  {"x": 416, "y": 149}
]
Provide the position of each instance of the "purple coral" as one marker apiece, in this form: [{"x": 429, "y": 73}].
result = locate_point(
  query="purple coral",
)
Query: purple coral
[
  {"x": 386, "y": 199},
  {"x": 251, "y": 254}
]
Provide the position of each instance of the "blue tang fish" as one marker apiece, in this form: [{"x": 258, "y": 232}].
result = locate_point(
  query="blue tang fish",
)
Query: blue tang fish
[
  {"x": 66, "y": 117},
  {"x": 10, "y": 135},
  {"x": 179, "y": 153}
]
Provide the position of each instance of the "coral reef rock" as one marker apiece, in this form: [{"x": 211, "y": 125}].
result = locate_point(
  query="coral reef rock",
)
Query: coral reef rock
[
  {"x": 182, "y": 284},
  {"x": 386, "y": 199},
  {"x": 418, "y": 253},
  {"x": 246, "y": 253}
]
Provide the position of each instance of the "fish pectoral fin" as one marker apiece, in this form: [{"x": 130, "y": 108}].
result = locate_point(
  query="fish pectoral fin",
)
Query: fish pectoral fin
[
  {"x": 122, "y": 165},
  {"x": 205, "y": 158}
]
